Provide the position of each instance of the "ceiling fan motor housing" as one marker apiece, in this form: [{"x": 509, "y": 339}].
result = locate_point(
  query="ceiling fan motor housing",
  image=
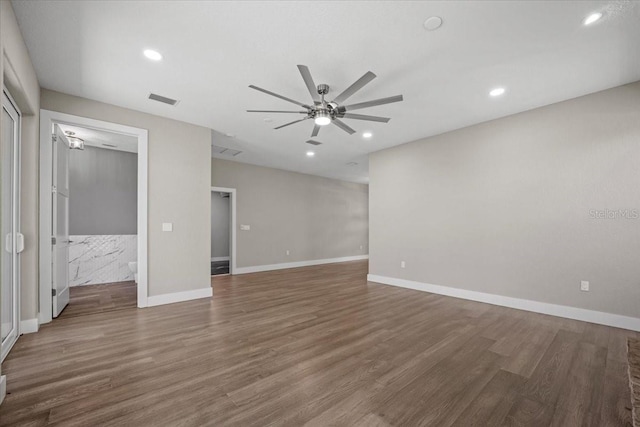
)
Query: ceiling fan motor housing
[{"x": 323, "y": 89}]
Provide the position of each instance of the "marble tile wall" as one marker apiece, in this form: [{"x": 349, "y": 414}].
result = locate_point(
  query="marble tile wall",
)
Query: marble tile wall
[{"x": 101, "y": 258}]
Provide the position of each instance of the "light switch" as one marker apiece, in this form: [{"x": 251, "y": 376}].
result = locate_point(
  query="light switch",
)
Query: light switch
[
  {"x": 245, "y": 227},
  {"x": 167, "y": 226}
]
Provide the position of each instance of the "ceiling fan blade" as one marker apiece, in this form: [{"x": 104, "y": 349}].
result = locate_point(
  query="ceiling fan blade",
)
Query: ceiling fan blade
[
  {"x": 316, "y": 129},
  {"x": 279, "y": 96},
  {"x": 342, "y": 125},
  {"x": 373, "y": 103},
  {"x": 359, "y": 84},
  {"x": 276, "y": 111},
  {"x": 308, "y": 80},
  {"x": 365, "y": 117},
  {"x": 288, "y": 124}
]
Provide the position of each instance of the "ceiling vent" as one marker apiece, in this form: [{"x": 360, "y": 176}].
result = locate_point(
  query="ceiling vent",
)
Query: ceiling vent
[
  {"x": 351, "y": 164},
  {"x": 225, "y": 151},
  {"x": 312, "y": 142},
  {"x": 163, "y": 99}
]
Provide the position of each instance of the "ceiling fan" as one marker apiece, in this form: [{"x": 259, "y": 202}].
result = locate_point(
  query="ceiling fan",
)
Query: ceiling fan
[{"x": 324, "y": 112}]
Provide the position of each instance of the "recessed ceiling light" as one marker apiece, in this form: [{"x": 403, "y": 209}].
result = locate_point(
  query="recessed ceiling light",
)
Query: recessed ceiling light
[
  {"x": 310, "y": 154},
  {"x": 152, "y": 54},
  {"x": 268, "y": 120},
  {"x": 497, "y": 91},
  {"x": 592, "y": 18},
  {"x": 230, "y": 135},
  {"x": 432, "y": 23},
  {"x": 367, "y": 135}
]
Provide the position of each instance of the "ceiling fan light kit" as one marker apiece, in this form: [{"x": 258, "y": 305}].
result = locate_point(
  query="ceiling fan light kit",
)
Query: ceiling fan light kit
[{"x": 324, "y": 113}]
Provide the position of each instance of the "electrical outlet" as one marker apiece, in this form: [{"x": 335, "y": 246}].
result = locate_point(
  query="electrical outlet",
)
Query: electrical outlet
[
  {"x": 402, "y": 264},
  {"x": 584, "y": 286},
  {"x": 360, "y": 247},
  {"x": 287, "y": 251},
  {"x": 245, "y": 227}
]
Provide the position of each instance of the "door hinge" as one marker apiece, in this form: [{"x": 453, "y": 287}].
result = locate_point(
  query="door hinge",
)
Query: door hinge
[
  {"x": 53, "y": 240},
  {"x": 53, "y": 292},
  {"x": 54, "y": 137},
  {"x": 54, "y": 189}
]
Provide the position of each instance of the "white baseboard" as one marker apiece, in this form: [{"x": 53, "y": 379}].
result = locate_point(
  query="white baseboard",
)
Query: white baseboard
[
  {"x": 179, "y": 296},
  {"x": 3, "y": 387},
  {"x": 220, "y": 258},
  {"x": 270, "y": 267},
  {"x": 599, "y": 317},
  {"x": 29, "y": 326}
]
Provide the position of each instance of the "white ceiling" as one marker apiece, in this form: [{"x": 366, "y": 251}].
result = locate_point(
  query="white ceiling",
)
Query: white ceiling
[
  {"x": 538, "y": 50},
  {"x": 103, "y": 139}
]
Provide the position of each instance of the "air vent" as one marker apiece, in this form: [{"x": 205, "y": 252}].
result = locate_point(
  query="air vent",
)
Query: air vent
[
  {"x": 225, "y": 151},
  {"x": 163, "y": 99},
  {"x": 312, "y": 142},
  {"x": 351, "y": 164}
]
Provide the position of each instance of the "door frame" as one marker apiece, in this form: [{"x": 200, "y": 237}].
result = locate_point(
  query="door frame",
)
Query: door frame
[
  {"x": 16, "y": 280},
  {"x": 45, "y": 282},
  {"x": 232, "y": 193}
]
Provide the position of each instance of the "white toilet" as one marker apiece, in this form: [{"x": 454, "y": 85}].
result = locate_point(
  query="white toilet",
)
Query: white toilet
[{"x": 133, "y": 266}]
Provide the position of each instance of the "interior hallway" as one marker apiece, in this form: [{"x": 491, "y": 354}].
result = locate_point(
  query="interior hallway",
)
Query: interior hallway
[{"x": 320, "y": 345}]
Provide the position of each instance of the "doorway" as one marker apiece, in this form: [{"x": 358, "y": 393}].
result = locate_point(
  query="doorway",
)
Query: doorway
[
  {"x": 223, "y": 236},
  {"x": 102, "y": 221},
  {"x": 12, "y": 240},
  {"x": 79, "y": 242}
]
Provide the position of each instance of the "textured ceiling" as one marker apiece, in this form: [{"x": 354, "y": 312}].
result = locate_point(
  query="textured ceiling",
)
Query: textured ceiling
[{"x": 538, "y": 50}]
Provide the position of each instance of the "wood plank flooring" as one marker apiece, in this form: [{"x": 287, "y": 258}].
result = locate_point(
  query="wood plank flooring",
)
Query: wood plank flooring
[
  {"x": 91, "y": 299},
  {"x": 318, "y": 346}
]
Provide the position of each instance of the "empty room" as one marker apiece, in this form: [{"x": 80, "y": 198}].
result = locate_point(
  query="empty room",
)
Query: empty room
[{"x": 328, "y": 213}]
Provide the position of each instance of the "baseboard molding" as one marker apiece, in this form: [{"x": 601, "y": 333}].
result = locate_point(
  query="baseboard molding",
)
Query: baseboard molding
[
  {"x": 179, "y": 296},
  {"x": 220, "y": 258},
  {"x": 29, "y": 326},
  {"x": 271, "y": 267},
  {"x": 599, "y": 317},
  {"x": 3, "y": 388}
]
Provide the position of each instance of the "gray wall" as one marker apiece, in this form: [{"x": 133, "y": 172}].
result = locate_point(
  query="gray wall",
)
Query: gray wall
[
  {"x": 507, "y": 207},
  {"x": 179, "y": 191},
  {"x": 103, "y": 193},
  {"x": 220, "y": 225},
  {"x": 312, "y": 217}
]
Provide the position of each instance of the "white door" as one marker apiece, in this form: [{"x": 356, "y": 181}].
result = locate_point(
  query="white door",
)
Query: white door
[
  {"x": 12, "y": 241},
  {"x": 60, "y": 225}
]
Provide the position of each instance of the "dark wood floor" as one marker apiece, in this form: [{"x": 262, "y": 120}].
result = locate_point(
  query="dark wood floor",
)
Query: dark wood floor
[
  {"x": 91, "y": 299},
  {"x": 318, "y": 346}
]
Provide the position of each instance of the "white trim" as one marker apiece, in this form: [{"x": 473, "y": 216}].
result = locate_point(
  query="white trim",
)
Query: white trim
[
  {"x": 599, "y": 317},
  {"x": 47, "y": 118},
  {"x": 179, "y": 296},
  {"x": 3, "y": 387},
  {"x": 232, "y": 191},
  {"x": 220, "y": 258},
  {"x": 29, "y": 326},
  {"x": 271, "y": 267},
  {"x": 16, "y": 191}
]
